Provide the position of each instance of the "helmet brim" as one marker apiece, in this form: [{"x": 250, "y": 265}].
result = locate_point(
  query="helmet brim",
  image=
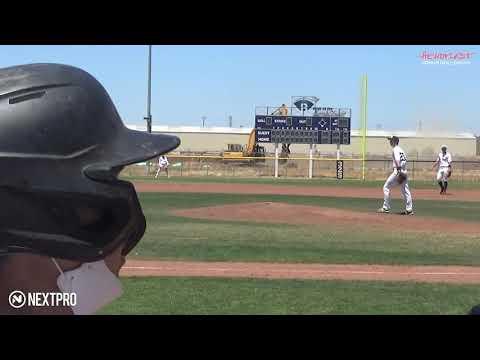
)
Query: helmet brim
[{"x": 133, "y": 146}]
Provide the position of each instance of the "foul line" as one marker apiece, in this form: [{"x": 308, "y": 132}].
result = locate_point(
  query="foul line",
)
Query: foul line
[{"x": 308, "y": 271}]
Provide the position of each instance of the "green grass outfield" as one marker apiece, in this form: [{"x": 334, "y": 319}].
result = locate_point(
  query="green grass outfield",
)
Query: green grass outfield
[
  {"x": 176, "y": 238},
  {"x": 206, "y": 296},
  {"x": 453, "y": 184}
]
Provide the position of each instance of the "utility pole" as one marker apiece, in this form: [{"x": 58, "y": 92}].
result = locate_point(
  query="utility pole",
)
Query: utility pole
[{"x": 203, "y": 120}]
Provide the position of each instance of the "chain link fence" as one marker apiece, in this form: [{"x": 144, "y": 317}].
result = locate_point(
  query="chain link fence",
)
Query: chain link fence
[{"x": 377, "y": 169}]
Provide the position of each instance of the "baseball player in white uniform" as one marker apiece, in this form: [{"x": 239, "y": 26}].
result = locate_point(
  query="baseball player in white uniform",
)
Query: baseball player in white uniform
[
  {"x": 398, "y": 177},
  {"x": 444, "y": 164},
  {"x": 162, "y": 164}
]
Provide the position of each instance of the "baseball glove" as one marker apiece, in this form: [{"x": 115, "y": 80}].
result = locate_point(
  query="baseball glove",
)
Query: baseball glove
[
  {"x": 401, "y": 177},
  {"x": 449, "y": 173}
]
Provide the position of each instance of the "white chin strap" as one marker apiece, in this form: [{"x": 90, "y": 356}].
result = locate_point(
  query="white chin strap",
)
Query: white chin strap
[{"x": 58, "y": 266}]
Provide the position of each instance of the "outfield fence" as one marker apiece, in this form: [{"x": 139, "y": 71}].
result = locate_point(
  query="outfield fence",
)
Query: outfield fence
[{"x": 298, "y": 167}]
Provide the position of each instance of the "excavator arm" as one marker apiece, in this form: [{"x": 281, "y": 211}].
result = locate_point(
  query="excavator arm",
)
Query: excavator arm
[{"x": 251, "y": 144}]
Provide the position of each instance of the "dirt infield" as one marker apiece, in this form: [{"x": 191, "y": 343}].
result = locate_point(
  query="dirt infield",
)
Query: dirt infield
[
  {"x": 430, "y": 274},
  {"x": 274, "y": 212},
  {"x": 350, "y": 192}
]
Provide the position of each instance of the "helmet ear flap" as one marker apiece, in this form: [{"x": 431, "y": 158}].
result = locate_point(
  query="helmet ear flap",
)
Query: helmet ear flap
[{"x": 103, "y": 172}]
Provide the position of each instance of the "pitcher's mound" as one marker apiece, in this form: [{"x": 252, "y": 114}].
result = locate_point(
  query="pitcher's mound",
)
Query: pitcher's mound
[{"x": 275, "y": 212}]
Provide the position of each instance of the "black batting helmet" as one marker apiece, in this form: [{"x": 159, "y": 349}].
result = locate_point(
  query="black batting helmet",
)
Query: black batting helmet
[
  {"x": 62, "y": 146},
  {"x": 393, "y": 139}
]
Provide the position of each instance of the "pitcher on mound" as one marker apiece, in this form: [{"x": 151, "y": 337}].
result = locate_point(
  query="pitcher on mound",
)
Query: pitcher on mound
[{"x": 397, "y": 178}]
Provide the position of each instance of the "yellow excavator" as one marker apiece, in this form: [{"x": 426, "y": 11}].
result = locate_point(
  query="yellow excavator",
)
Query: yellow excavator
[{"x": 252, "y": 149}]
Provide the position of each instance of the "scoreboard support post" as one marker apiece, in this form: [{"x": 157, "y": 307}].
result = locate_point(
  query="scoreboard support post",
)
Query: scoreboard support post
[
  {"x": 276, "y": 160},
  {"x": 307, "y": 125},
  {"x": 310, "y": 163},
  {"x": 339, "y": 164}
]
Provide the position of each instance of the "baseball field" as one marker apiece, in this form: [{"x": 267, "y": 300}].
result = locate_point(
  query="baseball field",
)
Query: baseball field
[{"x": 284, "y": 246}]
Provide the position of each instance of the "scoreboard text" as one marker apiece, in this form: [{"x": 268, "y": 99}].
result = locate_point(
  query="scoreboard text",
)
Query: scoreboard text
[{"x": 302, "y": 129}]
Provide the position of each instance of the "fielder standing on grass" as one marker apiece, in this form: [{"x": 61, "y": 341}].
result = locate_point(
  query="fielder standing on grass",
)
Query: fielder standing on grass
[
  {"x": 444, "y": 164},
  {"x": 162, "y": 164},
  {"x": 397, "y": 178}
]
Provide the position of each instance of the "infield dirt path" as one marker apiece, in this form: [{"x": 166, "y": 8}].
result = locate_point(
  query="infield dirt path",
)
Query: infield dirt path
[
  {"x": 332, "y": 191},
  {"x": 430, "y": 274}
]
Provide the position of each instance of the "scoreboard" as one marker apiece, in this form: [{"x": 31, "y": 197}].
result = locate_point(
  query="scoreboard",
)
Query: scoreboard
[{"x": 332, "y": 128}]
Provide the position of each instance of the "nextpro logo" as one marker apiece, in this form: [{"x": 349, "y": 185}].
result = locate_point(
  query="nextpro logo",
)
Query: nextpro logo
[
  {"x": 17, "y": 299},
  {"x": 446, "y": 58}
]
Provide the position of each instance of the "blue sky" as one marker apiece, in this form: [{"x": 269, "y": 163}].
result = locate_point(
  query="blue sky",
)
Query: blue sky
[{"x": 189, "y": 82}]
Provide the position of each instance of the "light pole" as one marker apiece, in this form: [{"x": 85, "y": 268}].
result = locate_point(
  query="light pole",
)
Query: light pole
[
  {"x": 203, "y": 120},
  {"x": 148, "y": 118}
]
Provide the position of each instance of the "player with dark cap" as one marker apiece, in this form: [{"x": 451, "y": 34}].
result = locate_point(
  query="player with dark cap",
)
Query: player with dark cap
[
  {"x": 66, "y": 220},
  {"x": 398, "y": 177}
]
